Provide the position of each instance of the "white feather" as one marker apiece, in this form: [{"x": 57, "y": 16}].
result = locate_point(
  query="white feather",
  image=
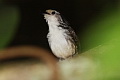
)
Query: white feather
[{"x": 60, "y": 47}]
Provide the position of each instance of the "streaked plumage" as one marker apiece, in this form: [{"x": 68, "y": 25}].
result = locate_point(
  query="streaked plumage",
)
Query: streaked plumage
[{"x": 61, "y": 37}]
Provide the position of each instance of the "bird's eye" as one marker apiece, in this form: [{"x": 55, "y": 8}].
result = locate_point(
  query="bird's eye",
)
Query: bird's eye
[{"x": 53, "y": 12}]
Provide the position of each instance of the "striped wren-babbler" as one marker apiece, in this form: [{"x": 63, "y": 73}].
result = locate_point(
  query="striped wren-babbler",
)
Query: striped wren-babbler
[{"x": 61, "y": 37}]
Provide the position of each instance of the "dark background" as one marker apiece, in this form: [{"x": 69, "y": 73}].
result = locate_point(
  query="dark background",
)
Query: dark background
[
  {"x": 97, "y": 22},
  {"x": 32, "y": 29}
]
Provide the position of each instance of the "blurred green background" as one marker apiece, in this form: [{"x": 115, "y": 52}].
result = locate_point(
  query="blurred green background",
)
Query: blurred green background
[
  {"x": 9, "y": 18},
  {"x": 97, "y": 22}
]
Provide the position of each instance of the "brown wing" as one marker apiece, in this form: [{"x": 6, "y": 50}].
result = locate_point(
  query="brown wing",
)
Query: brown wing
[
  {"x": 69, "y": 31},
  {"x": 73, "y": 39}
]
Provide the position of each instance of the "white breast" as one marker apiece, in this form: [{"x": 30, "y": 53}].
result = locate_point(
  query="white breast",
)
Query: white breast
[{"x": 61, "y": 47}]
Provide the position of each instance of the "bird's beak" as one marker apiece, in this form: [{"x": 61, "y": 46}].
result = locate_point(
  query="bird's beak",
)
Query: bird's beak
[{"x": 45, "y": 13}]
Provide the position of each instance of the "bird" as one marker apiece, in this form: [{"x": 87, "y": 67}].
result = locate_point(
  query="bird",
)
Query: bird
[{"x": 62, "y": 39}]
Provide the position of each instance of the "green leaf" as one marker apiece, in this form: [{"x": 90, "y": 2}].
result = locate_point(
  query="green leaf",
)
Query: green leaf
[
  {"x": 101, "y": 30},
  {"x": 106, "y": 58},
  {"x": 9, "y": 17},
  {"x": 102, "y": 45}
]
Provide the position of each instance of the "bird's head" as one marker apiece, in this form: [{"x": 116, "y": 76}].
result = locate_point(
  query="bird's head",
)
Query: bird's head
[{"x": 52, "y": 16}]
